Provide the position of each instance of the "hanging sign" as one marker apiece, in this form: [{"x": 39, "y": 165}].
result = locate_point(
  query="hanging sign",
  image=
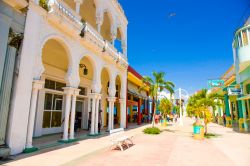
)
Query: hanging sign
[
  {"x": 234, "y": 91},
  {"x": 215, "y": 83}
]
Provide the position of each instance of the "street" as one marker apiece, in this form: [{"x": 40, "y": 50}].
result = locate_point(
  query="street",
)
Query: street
[{"x": 174, "y": 146}]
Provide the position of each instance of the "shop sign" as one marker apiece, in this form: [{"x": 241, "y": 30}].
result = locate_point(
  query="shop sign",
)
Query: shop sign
[
  {"x": 234, "y": 91},
  {"x": 215, "y": 83}
]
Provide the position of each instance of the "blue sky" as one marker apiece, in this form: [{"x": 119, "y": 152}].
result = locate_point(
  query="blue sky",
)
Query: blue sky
[{"x": 191, "y": 47}]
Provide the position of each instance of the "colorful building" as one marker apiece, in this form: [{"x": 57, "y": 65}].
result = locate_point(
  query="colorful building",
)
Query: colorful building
[
  {"x": 241, "y": 50},
  {"x": 228, "y": 105},
  {"x": 73, "y": 63},
  {"x": 139, "y": 104}
]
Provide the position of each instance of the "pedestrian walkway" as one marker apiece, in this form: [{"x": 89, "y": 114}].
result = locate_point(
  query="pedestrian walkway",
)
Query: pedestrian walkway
[
  {"x": 174, "y": 147},
  {"x": 67, "y": 152}
]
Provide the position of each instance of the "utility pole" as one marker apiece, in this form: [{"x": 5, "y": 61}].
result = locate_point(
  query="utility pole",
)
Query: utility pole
[{"x": 180, "y": 122}]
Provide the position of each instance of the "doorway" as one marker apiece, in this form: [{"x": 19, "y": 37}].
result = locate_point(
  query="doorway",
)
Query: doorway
[{"x": 81, "y": 114}]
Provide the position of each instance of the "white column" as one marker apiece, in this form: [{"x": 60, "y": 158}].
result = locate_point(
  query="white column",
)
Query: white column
[
  {"x": 111, "y": 112},
  {"x": 68, "y": 92},
  {"x": 78, "y": 5},
  {"x": 123, "y": 113},
  {"x": 92, "y": 128},
  {"x": 22, "y": 90},
  {"x": 73, "y": 113},
  {"x": 37, "y": 85},
  {"x": 112, "y": 115},
  {"x": 99, "y": 19}
]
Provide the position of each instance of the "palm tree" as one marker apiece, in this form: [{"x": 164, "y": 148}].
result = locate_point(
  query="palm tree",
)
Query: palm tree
[
  {"x": 156, "y": 85},
  {"x": 201, "y": 104}
]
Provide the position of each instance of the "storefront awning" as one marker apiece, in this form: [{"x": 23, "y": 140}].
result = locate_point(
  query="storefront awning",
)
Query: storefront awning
[
  {"x": 246, "y": 97},
  {"x": 135, "y": 93}
]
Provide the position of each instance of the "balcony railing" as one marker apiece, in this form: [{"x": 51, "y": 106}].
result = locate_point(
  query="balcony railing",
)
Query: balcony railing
[{"x": 61, "y": 12}]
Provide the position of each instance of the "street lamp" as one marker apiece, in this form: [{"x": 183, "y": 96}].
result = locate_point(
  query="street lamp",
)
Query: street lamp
[
  {"x": 184, "y": 93},
  {"x": 85, "y": 70}
]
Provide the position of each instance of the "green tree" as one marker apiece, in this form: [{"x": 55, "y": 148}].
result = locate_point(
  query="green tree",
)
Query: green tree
[
  {"x": 165, "y": 107},
  {"x": 156, "y": 85},
  {"x": 202, "y": 104}
]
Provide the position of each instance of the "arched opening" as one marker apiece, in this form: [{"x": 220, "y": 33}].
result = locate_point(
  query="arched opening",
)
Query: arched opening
[
  {"x": 106, "y": 27},
  {"x": 88, "y": 12},
  {"x": 83, "y": 103},
  {"x": 105, "y": 81},
  {"x": 118, "y": 41},
  {"x": 117, "y": 109},
  {"x": 50, "y": 113}
]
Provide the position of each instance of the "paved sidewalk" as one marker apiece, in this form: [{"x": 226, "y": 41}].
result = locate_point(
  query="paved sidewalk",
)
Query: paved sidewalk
[
  {"x": 176, "y": 147},
  {"x": 69, "y": 153},
  {"x": 235, "y": 146}
]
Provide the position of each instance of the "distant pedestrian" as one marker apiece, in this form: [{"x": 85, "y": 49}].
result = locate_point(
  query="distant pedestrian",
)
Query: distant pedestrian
[
  {"x": 217, "y": 118},
  {"x": 224, "y": 119}
]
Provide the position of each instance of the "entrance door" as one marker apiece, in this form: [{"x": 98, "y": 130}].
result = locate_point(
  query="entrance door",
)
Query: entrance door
[
  {"x": 79, "y": 108},
  {"x": 81, "y": 114}
]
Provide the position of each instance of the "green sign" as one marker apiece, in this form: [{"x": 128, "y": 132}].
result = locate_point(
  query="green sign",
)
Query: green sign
[{"x": 215, "y": 83}]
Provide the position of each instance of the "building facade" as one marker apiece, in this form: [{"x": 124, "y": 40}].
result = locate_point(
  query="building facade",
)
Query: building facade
[
  {"x": 228, "y": 106},
  {"x": 12, "y": 20},
  {"x": 241, "y": 50},
  {"x": 139, "y": 104},
  {"x": 73, "y": 65}
]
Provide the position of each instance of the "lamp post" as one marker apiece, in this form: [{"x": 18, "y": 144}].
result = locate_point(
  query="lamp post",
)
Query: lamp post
[{"x": 184, "y": 93}]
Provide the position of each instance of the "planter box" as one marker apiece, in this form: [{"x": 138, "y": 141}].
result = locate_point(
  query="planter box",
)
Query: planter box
[{"x": 198, "y": 132}]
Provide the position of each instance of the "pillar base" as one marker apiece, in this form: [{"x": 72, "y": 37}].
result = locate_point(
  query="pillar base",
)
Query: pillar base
[
  {"x": 4, "y": 152},
  {"x": 229, "y": 122},
  {"x": 30, "y": 150},
  {"x": 94, "y": 135},
  {"x": 68, "y": 141}
]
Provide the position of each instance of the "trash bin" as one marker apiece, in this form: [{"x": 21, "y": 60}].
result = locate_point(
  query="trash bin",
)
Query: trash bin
[{"x": 164, "y": 122}]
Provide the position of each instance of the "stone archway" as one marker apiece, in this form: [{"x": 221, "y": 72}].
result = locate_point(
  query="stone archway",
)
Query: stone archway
[{"x": 54, "y": 75}]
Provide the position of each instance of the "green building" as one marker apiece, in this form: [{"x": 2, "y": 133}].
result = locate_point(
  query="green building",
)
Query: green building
[{"x": 241, "y": 49}]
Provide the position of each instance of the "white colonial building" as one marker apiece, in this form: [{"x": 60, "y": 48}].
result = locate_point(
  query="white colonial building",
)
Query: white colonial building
[{"x": 73, "y": 64}]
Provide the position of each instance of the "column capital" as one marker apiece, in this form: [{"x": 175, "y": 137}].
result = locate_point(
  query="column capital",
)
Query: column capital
[
  {"x": 38, "y": 84},
  {"x": 76, "y": 91},
  {"x": 95, "y": 95},
  {"x": 111, "y": 99},
  {"x": 78, "y": 1},
  {"x": 68, "y": 90}
]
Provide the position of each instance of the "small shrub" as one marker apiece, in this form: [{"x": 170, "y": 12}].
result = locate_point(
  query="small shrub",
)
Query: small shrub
[
  {"x": 210, "y": 135},
  {"x": 152, "y": 130}
]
